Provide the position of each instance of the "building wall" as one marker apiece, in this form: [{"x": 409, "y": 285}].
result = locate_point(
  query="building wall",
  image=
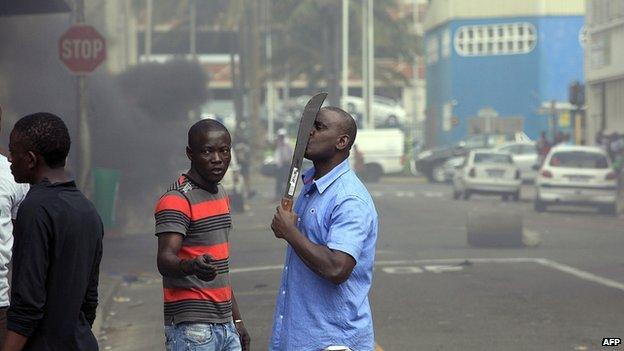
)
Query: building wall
[
  {"x": 513, "y": 83},
  {"x": 605, "y": 67}
]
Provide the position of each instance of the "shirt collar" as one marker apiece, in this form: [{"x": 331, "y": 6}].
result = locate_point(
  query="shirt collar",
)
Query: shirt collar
[{"x": 325, "y": 181}]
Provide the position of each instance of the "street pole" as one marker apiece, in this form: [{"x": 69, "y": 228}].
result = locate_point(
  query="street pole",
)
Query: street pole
[
  {"x": 148, "y": 29},
  {"x": 371, "y": 64},
  {"x": 365, "y": 62},
  {"x": 193, "y": 28},
  {"x": 270, "y": 92},
  {"x": 553, "y": 114},
  {"x": 83, "y": 166},
  {"x": 345, "y": 52}
]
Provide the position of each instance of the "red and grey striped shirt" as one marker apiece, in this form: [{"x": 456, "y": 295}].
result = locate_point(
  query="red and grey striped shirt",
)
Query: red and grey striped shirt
[{"x": 204, "y": 220}]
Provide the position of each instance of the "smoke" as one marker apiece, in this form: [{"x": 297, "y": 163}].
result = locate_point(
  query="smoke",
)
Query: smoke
[{"x": 138, "y": 119}]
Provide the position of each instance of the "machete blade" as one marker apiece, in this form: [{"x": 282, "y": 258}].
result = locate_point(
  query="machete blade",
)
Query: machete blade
[{"x": 305, "y": 127}]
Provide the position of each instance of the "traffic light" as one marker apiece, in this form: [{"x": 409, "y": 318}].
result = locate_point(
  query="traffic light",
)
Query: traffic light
[{"x": 576, "y": 94}]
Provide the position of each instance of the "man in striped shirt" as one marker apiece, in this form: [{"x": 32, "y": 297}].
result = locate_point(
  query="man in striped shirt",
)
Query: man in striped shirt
[{"x": 192, "y": 225}]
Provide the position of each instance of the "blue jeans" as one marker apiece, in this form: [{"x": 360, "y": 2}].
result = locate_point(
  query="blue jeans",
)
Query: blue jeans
[{"x": 202, "y": 337}]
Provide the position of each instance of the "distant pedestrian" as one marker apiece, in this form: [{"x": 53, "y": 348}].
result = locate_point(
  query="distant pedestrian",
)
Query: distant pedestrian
[
  {"x": 58, "y": 245},
  {"x": 11, "y": 196},
  {"x": 243, "y": 156},
  {"x": 282, "y": 157},
  {"x": 543, "y": 147},
  {"x": 192, "y": 225},
  {"x": 323, "y": 297}
]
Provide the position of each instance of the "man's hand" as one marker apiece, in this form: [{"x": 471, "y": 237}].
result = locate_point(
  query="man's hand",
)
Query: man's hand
[
  {"x": 200, "y": 267},
  {"x": 245, "y": 339},
  {"x": 283, "y": 222}
]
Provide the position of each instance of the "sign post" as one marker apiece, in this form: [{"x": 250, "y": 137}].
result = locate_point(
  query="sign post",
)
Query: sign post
[{"x": 82, "y": 49}]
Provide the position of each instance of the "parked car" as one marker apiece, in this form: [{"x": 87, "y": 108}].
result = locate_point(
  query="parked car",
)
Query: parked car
[
  {"x": 577, "y": 175},
  {"x": 487, "y": 172},
  {"x": 431, "y": 162},
  {"x": 387, "y": 112},
  {"x": 525, "y": 156}
]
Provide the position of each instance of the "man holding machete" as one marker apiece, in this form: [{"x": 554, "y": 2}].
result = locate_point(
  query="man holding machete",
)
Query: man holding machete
[{"x": 323, "y": 296}]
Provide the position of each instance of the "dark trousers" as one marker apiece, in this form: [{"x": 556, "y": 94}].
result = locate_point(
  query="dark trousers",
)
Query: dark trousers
[{"x": 3, "y": 324}]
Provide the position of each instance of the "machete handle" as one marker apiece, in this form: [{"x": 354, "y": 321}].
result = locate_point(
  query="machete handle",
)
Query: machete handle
[{"x": 287, "y": 204}]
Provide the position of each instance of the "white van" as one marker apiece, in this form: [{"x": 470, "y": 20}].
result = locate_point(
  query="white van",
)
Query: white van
[{"x": 382, "y": 150}]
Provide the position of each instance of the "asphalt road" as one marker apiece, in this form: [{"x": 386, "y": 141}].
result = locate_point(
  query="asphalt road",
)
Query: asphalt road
[{"x": 431, "y": 290}]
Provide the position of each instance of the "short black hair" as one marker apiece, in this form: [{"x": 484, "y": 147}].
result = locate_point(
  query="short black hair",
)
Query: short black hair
[
  {"x": 45, "y": 134},
  {"x": 348, "y": 124},
  {"x": 204, "y": 126}
]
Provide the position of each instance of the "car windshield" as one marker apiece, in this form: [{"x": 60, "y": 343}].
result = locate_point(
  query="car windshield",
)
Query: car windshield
[
  {"x": 492, "y": 158},
  {"x": 579, "y": 159}
]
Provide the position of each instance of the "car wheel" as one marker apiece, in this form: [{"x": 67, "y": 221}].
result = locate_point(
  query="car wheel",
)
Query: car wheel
[
  {"x": 516, "y": 196},
  {"x": 392, "y": 121},
  {"x": 467, "y": 194},
  {"x": 372, "y": 172},
  {"x": 456, "y": 194},
  {"x": 539, "y": 205},
  {"x": 437, "y": 173}
]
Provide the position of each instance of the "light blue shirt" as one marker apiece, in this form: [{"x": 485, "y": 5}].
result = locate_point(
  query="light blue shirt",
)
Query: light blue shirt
[{"x": 312, "y": 313}]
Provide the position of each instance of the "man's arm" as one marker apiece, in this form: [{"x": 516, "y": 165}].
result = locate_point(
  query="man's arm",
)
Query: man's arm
[
  {"x": 170, "y": 265},
  {"x": 90, "y": 303},
  {"x": 333, "y": 265},
  {"x": 245, "y": 339},
  {"x": 28, "y": 284}
]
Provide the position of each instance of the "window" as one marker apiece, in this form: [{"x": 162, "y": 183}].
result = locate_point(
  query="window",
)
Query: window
[
  {"x": 492, "y": 158},
  {"x": 432, "y": 50},
  {"x": 495, "y": 39},
  {"x": 579, "y": 159}
]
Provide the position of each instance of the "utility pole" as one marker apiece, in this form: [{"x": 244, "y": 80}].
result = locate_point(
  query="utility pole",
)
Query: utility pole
[
  {"x": 148, "y": 28},
  {"x": 365, "y": 62},
  {"x": 83, "y": 133},
  {"x": 270, "y": 88},
  {"x": 371, "y": 64},
  {"x": 255, "y": 86},
  {"x": 345, "y": 52},
  {"x": 193, "y": 28}
]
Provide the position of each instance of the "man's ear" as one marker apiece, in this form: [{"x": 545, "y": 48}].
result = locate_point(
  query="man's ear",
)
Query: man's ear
[
  {"x": 33, "y": 160},
  {"x": 343, "y": 142},
  {"x": 189, "y": 152}
]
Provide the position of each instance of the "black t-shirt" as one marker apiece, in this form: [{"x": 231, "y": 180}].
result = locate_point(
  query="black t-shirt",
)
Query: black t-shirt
[{"x": 56, "y": 260}]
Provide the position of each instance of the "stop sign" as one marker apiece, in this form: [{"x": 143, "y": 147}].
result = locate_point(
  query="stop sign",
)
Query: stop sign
[{"x": 82, "y": 49}]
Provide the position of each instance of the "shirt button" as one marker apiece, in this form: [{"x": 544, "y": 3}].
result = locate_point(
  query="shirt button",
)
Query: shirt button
[
  {"x": 283, "y": 292},
  {"x": 286, "y": 268},
  {"x": 281, "y": 316},
  {"x": 307, "y": 195}
]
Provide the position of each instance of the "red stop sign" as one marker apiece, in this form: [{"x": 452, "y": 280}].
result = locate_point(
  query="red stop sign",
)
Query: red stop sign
[{"x": 82, "y": 49}]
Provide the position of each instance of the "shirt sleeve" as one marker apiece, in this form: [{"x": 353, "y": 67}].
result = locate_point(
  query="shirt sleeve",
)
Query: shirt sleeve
[
  {"x": 20, "y": 193},
  {"x": 350, "y": 225},
  {"x": 90, "y": 303},
  {"x": 30, "y": 267},
  {"x": 172, "y": 214}
]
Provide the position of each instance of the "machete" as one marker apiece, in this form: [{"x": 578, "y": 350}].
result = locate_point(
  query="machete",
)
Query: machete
[{"x": 305, "y": 128}]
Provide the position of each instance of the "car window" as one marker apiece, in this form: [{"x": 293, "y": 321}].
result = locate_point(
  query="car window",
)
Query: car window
[
  {"x": 528, "y": 149},
  {"x": 579, "y": 159},
  {"x": 492, "y": 158}
]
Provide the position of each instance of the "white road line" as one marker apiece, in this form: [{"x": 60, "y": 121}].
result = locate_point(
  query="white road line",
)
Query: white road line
[
  {"x": 581, "y": 274},
  {"x": 542, "y": 261}
]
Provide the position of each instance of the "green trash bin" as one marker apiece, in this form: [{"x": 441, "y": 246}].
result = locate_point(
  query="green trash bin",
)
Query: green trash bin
[{"x": 106, "y": 183}]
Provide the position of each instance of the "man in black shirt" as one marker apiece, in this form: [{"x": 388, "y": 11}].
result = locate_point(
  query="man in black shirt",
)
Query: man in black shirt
[{"x": 58, "y": 245}]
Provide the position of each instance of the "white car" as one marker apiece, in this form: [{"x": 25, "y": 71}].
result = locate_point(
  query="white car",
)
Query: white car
[
  {"x": 577, "y": 175},
  {"x": 487, "y": 171},
  {"x": 387, "y": 112},
  {"x": 525, "y": 156}
]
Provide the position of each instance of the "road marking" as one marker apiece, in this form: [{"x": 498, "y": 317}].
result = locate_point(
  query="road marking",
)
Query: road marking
[
  {"x": 458, "y": 261},
  {"x": 402, "y": 270}
]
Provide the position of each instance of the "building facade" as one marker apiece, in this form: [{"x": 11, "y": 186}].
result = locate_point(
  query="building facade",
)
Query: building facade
[
  {"x": 604, "y": 67},
  {"x": 492, "y": 65}
]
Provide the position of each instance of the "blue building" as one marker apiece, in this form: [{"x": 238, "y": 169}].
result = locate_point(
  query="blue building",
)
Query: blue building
[{"x": 491, "y": 65}]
